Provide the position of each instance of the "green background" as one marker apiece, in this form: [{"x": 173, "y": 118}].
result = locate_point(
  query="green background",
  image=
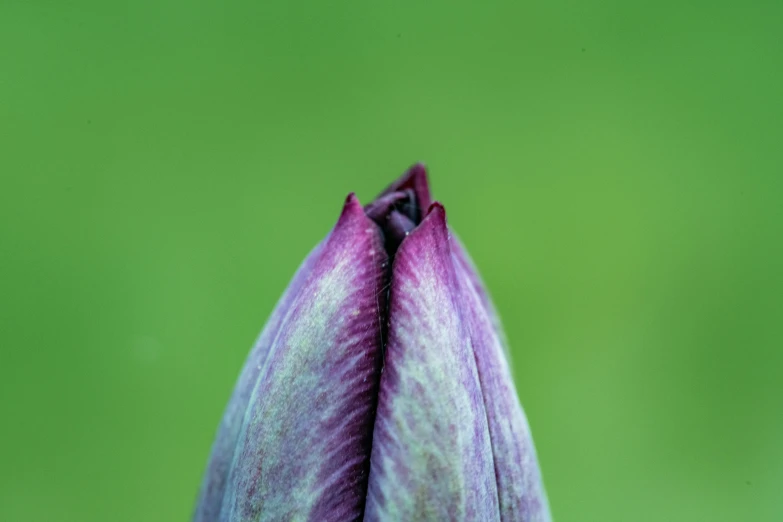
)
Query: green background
[{"x": 615, "y": 169}]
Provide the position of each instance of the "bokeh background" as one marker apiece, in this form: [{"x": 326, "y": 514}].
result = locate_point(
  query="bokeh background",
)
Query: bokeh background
[{"x": 615, "y": 169}]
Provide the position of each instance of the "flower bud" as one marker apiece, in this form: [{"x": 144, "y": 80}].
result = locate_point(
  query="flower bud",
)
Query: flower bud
[{"x": 379, "y": 389}]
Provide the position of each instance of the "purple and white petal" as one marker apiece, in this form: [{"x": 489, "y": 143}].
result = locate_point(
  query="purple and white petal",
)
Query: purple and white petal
[
  {"x": 464, "y": 260},
  {"x": 214, "y": 483},
  {"x": 304, "y": 444},
  {"x": 432, "y": 454},
  {"x": 520, "y": 489}
]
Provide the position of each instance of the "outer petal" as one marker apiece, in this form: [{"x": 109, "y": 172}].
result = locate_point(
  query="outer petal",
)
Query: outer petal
[
  {"x": 431, "y": 456},
  {"x": 303, "y": 447},
  {"x": 465, "y": 262},
  {"x": 520, "y": 489},
  {"x": 214, "y": 482}
]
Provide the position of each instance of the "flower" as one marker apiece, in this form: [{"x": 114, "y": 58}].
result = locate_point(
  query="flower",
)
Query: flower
[{"x": 380, "y": 389}]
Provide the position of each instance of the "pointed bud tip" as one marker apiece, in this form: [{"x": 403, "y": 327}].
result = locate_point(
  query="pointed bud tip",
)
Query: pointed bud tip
[
  {"x": 437, "y": 208},
  {"x": 352, "y": 218},
  {"x": 418, "y": 172},
  {"x": 436, "y": 216},
  {"x": 415, "y": 178},
  {"x": 351, "y": 200},
  {"x": 351, "y": 206},
  {"x": 433, "y": 230}
]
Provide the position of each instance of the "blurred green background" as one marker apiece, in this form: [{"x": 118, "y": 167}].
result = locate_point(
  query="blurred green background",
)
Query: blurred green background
[{"x": 615, "y": 169}]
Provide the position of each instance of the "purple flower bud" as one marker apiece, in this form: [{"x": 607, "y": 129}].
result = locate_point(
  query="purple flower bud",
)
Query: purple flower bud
[{"x": 379, "y": 390}]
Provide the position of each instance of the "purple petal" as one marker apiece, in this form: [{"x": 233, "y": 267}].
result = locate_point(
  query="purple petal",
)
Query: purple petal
[
  {"x": 415, "y": 179},
  {"x": 432, "y": 455},
  {"x": 520, "y": 489},
  {"x": 303, "y": 448},
  {"x": 214, "y": 482},
  {"x": 465, "y": 262}
]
